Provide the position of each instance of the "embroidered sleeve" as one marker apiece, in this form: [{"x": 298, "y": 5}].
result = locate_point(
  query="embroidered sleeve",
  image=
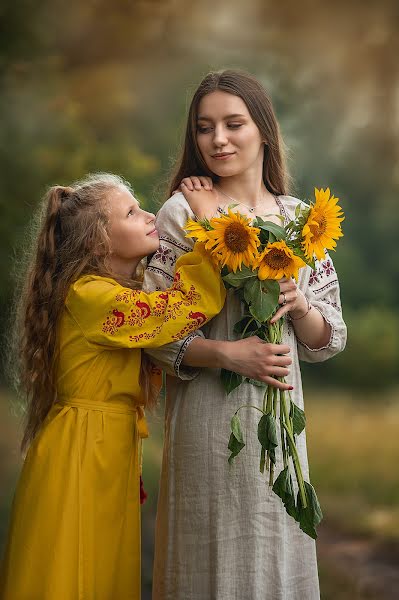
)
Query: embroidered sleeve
[
  {"x": 171, "y": 220},
  {"x": 322, "y": 290},
  {"x": 111, "y": 315}
]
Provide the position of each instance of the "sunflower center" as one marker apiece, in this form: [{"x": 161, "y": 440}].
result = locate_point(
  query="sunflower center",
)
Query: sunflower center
[
  {"x": 236, "y": 237},
  {"x": 277, "y": 259},
  {"x": 320, "y": 228}
]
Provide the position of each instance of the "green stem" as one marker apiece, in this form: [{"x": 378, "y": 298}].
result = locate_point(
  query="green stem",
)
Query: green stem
[
  {"x": 297, "y": 466},
  {"x": 249, "y": 406},
  {"x": 246, "y": 327}
]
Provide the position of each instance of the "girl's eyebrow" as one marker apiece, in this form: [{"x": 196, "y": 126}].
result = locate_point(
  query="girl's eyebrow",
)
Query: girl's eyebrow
[{"x": 204, "y": 118}]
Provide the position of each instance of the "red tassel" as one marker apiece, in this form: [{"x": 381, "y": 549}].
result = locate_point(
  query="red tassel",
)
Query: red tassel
[{"x": 143, "y": 493}]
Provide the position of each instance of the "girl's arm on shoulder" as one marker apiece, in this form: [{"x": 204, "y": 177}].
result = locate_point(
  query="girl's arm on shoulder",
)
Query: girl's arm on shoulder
[{"x": 111, "y": 315}]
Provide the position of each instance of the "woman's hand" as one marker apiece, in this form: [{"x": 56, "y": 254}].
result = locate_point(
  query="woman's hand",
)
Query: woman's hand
[
  {"x": 291, "y": 299},
  {"x": 253, "y": 358}
]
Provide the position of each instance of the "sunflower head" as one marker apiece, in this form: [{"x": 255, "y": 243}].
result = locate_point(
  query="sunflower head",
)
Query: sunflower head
[
  {"x": 323, "y": 225},
  {"x": 233, "y": 240},
  {"x": 196, "y": 230},
  {"x": 278, "y": 260}
]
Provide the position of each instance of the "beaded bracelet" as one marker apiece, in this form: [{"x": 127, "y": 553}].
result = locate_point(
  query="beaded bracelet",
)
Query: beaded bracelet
[{"x": 306, "y": 313}]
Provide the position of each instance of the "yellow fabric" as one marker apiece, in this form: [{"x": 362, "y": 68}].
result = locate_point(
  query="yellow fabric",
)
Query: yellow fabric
[{"x": 75, "y": 525}]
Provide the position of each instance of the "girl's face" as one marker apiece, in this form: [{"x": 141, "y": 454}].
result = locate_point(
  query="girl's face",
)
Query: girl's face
[
  {"x": 228, "y": 138},
  {"x": 131, "y": 229}
]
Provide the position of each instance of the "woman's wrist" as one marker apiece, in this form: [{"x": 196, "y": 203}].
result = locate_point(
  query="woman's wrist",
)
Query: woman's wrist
[
  {"x": 303, "y": 308},
  {"x": 205, "y": 353},
  {"x": 300, "y": 313}
]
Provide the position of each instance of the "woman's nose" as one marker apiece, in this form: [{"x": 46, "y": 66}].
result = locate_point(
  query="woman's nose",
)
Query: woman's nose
[{"x": 219, "y": 136}]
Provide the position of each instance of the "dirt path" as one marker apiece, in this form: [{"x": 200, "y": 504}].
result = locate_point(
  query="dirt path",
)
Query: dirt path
[{"x": 370, "y": 568}]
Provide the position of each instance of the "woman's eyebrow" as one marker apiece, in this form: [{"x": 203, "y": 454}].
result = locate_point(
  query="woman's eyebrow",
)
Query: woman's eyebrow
[{"x": 205, "y": 118}]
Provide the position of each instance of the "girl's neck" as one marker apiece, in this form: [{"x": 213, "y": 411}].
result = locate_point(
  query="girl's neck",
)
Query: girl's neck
[{"x": 125, "y": 269}]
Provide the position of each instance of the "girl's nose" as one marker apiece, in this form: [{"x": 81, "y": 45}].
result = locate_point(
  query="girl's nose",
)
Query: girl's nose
[{"x": 150, "y": 217}]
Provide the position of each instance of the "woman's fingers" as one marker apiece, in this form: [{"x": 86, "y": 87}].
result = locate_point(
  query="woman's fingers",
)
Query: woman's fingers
[{"x": 277, "y": 384}]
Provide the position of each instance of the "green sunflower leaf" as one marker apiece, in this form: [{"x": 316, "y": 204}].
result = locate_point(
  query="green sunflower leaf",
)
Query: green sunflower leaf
[
  {"x": 230, "y": 380},
  {"x": 298, "y": 418},
  {"x": 262, "y": 298},
  {"x": 236, "y": 441},
  {"x": 310, "y": 516},
  {"x": 267, "y": 435},
  {"x": 284, "y": 489},
  {"x": 241, "y": 277},
  {"x": 278, "y": 231}
]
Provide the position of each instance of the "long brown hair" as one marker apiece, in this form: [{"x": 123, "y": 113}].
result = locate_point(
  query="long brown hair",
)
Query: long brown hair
[
  {"x": 244, "y": 85},
  {"x": 69, "y": 239}
]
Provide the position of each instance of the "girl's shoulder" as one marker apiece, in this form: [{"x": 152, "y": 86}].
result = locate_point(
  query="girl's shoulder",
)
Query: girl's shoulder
[{"x": 88, "y": 287}]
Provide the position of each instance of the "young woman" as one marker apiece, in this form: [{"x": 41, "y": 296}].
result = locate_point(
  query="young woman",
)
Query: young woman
[
  {"x": 75, "y": 525},
  {"x": 221, "y": 532}
]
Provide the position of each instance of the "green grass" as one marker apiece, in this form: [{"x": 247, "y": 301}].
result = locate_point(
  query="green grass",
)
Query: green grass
[{"x": 353, "y": 450}]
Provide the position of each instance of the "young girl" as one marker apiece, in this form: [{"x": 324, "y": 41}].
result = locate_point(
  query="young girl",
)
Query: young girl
[
  {"x": 221, "y": 532},
  {"x": 75, "y": 525}
]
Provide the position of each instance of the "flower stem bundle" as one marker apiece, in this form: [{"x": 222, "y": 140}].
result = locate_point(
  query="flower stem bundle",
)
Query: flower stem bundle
[{"x": 253, "y": 258}]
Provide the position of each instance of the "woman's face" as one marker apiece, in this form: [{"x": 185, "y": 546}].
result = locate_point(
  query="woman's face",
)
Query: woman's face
[
  {"x": 130, "y": 228},
  {"x": 227, "y": 137}
]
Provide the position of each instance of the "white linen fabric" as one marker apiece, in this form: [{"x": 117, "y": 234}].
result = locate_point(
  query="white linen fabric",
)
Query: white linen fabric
[{"x": 221, "y": 533}]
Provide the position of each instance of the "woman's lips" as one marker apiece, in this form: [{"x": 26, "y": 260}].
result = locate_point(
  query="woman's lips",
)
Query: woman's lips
[{"x": 223, "y": 156}]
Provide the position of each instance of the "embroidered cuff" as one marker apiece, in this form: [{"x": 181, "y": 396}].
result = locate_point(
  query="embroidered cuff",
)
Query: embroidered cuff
[
  {"x": 182, "y": 371},
  {"x": 332, "y": 339}
]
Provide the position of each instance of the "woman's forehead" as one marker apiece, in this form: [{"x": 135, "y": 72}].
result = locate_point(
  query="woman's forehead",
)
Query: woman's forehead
[{"x": 221, "y": 105}]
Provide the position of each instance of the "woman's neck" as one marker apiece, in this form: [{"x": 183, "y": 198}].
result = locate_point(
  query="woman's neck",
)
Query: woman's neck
[{"x": 247, "y": 190}]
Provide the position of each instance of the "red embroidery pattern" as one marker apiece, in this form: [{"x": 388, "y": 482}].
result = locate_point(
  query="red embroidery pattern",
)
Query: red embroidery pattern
[
  {"x": 324, "y": 270},
  {"x": 127, "y": 296},
  {"x": 163, "y": 307},
  {"x": 198, "y": 320},
  {"x": 113, "y": 322},
  {"x": 165, "y": 255}
]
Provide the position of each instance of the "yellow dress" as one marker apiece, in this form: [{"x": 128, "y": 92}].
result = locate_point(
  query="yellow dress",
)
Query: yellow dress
[{"x": 75, "y": 524}]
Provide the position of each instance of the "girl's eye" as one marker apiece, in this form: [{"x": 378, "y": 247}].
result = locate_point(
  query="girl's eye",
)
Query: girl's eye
[{"x": 131, "y": 212}]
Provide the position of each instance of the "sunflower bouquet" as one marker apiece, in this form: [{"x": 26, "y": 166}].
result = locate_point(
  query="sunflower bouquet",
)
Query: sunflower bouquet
[{"x": 253, "y": 257}]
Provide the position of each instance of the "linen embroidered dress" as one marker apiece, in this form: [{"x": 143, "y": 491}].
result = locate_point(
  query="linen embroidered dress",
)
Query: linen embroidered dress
[
  {"x": 75, "y": 525},
  {"x": 221, "y": 533}
]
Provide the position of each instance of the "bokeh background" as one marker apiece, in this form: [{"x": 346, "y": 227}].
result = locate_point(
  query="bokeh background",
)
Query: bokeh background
[{"x": 99, "y": 85}]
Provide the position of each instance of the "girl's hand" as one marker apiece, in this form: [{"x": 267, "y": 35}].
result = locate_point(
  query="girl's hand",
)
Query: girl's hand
[
  {"x": 256, "y": 359},
  {"x": 203, "y": 203},
  {"x": 195, "y": 183},
  {"x": 291, "y": 299}
]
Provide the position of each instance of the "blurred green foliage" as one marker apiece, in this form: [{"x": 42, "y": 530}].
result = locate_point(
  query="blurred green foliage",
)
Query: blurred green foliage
[{"x": 104, "y": 86}]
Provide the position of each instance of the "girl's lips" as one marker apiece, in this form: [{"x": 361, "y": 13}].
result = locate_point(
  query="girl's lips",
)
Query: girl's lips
[{"x": 153, "y": 232}]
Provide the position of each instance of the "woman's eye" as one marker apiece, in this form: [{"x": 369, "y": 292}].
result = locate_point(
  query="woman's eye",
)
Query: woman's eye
[
  {"x": 234, "y": 125},
  {"x": 204, "y": 129}
]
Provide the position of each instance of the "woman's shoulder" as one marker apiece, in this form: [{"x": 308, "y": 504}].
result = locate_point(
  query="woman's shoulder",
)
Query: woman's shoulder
[
  {"x": 176, "y": 207},
  {"x": 172, "y": 218},
  {"x": 289, "y": 204}
]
